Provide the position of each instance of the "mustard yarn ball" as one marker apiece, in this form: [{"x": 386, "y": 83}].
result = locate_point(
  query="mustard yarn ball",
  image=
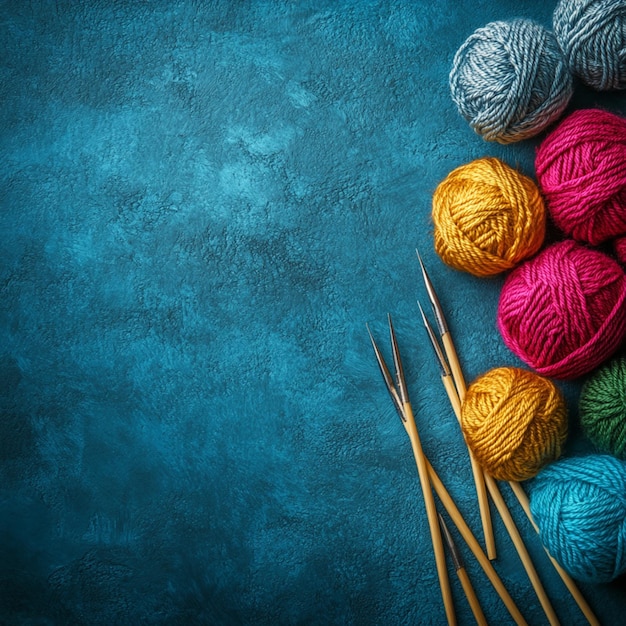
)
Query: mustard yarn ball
[
  {"x": 514, "y": 421},
  {"x": 487, "y": 217}
]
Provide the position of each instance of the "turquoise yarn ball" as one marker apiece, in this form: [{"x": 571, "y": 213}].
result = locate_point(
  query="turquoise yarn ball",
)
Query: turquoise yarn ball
[
  {"x": 510, "y": 80},
  {"x": 592, "y": 35},
  {"x": 579, "y": 506}
]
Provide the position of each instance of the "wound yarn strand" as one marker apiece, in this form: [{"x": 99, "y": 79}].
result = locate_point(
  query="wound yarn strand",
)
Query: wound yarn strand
[
  {"x": 510, "y": 81},
  {"x": 514, "y": 421},
  {"x": 488, "y": 217},
  {"x": 579, "y": 506},
  {"x": 563, "y": 312},
  {"x": 591, "y": 35},
  {"x": 581, "y": 171}
]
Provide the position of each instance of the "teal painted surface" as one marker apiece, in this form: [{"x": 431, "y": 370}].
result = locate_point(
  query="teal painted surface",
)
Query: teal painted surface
[{"x": 203, "y": 203}]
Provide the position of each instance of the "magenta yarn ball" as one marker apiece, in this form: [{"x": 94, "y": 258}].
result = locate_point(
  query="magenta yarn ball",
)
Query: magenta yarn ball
[
  {"x": 563, "y": 312},
  {"x": 581, "y": 171}
]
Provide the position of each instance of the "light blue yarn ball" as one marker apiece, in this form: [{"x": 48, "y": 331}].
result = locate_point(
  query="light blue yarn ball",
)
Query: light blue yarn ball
[
  {"x": 579, "y": 505},
  {"x": 509, "y": 80},
  {"x": 592, "y": 35}
]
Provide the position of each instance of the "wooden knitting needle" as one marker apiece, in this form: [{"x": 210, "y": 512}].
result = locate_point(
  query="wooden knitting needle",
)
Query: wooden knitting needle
[
  {"x": 444, "y": 331},
  {"x": 496, "y": 496},
  {"x": 473, "y": 545},
  {"x": 522, "y": 498},
  {"x": 518, "y": 542},
  {"x": 420, "y": 460},
  {"x": 470, "y": 540},
  {"x": 460, "y": 385},
  {"x": 459, "y": 566},
  {"x": 479, "y": 481},
  {"x": 448, "y": 502},
  {"x": 459, "y": 381},
  {"x": 401, "y": 400}
]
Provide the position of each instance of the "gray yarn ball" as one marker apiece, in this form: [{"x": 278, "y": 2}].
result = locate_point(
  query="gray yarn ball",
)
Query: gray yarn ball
[
  {"x": 592, "y": 35},
  {"x": 510, "y": 80}
]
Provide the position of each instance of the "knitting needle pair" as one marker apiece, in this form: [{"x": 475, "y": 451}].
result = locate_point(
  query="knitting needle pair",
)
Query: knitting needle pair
[
  {"x": 398, "y": 391},
  {"x": 455, "y": 386},
  {"x": 455, "y": 389},
  {"x": 454, "y": 383}
]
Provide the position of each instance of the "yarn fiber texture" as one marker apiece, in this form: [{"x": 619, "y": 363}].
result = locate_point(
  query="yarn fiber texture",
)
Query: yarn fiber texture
[
  {"x": 581, "y": 170},
  {"x": 592, "y": 35},
  {"x": 579, "y": 506},
  {"x": 602, "y": 408},
  {"x": 514, "y": 421},
  {"x": 510, "y": 80},
  {"x": 563, "y": 312},
  {"x": 487, "y": 217}
]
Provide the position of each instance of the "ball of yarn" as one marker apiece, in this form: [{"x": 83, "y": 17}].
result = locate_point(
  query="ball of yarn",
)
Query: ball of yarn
[
  {"x": 514, "y": 421},
  {"x": 510, "y": 80},
  {"x": 581, "y": 170},
  {"x": 579, "y": 506},
  {"x": 563, "y": 312},
  {"x": 487, "y": 217},
  {"x": 602, "y": 408},
  {"x": 591, "y": 34}
]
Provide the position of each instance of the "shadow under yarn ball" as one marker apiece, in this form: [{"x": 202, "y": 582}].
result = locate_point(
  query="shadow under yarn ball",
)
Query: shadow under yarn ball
[
  {"x": 509, "y": 80},
  {"x": 602, "y": 408},
  {"x": 581, "y": 170},
  {"x": 619, "y": 247},
  {"x": 563, "y": 312},
  {"x": 487, "y": 217},
  {"x": 514, "y": 421},
  {"x": 592, "y": 35},
  {"x": 579, "y": 506}
]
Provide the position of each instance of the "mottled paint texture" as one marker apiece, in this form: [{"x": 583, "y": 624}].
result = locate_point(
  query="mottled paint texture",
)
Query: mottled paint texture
[{"x": 202, "y": 204}]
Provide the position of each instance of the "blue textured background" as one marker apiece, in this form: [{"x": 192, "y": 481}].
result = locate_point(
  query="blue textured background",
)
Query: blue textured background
[{"x": 203, "y": 203}]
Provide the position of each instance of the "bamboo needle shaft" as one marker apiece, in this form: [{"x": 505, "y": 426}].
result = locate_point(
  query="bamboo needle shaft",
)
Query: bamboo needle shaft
[
  {"x": 431, "y": 512},
  {"x": 448, "y": 381},
  {"x": 459, "y": 567},
  {"x": 515, "y": 486},
  {"x": 470, "y": 594},
  {"x": 455, "y": 365},
  {"x": 470, "y": 540},
  {"x": 479, "y": 480},
  {"x": 505, "y": 514},
  {"x": 507, "y": 518},
  {"x": 473, "y": 545}
]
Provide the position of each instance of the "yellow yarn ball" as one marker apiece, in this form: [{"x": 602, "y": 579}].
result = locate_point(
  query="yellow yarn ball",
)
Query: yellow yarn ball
[
  {"x": 488, "y": 217},
  {"x": 514, "y": 421}
]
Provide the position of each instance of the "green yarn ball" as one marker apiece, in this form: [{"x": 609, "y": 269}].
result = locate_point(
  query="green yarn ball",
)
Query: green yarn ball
[{"x": 602, "y": 408}]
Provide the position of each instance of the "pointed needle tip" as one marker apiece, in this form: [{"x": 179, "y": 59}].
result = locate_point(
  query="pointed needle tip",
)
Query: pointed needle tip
[
  {"x": 424, "y": 319},
  {"x": 387, "y": 377},
  {"x": 397, "y": 361},
  {"x": 419, "y": 257},
  {"x": 454, "y": 551},
  {"x": 443, "y": 365},
  {"x": 440, "y": 319}
]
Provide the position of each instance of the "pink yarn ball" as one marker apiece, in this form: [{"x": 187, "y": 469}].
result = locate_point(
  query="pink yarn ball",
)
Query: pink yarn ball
[
  {"x": 581, "y": 170},
  {"x": 563, "y": 312}
]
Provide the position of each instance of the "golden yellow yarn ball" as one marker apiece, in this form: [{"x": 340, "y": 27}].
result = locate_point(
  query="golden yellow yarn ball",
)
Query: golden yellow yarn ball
[
  {"x": 514, "y": 421},
  {"x": 487, "y": 217}
]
